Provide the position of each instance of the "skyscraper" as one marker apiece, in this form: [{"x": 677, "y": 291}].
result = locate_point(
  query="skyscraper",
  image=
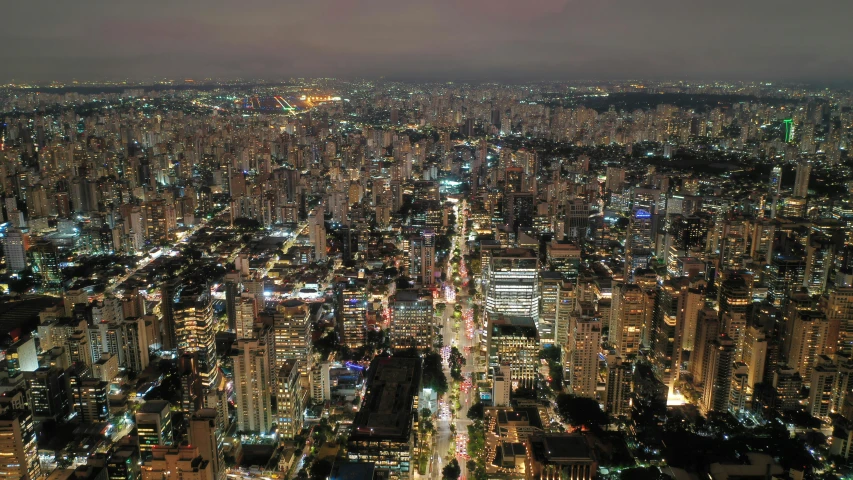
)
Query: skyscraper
[
  {"x": 422, "y": 257},
  {"x": 204, "y": 435},
  {"x": 154, "y": 425},
  {"x": 583, "y": 348},
  {"x": 252, "y": 384},
  {"x": 411, "y": 319},
  {"x": 617, "y": 392},
  {"x": 718, "y": 375},
  {"x": 639, "y": 242},
  {"x": 194, "y": 331},
  {"x": 20, "y": 458},
  {"x": 15, "y": 250},
  {"x": 628, "y": 316},
  {"x": 513, "y": 284},
  {"x": 317, "y": 233},
  {"x": 46, "y": 265},
  {"x": 801, "y": 181}
]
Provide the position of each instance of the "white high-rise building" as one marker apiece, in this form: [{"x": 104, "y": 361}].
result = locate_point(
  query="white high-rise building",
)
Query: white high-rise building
[{"x": 513, "y": 284}]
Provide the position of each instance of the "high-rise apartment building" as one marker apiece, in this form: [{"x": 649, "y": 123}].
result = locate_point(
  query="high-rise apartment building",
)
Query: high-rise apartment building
[
  {"x": 253, "y": 384},
  {"x": 583, "y": 349},
  {"x": 718, "y": 375},
  {"x": 628, "y": 317},
  {"x": 194, "y": 331},
  {"x": 801, "y": 181}
]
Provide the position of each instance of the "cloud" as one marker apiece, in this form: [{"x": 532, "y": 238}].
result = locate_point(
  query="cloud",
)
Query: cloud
[{"x": 450, "y": 39}]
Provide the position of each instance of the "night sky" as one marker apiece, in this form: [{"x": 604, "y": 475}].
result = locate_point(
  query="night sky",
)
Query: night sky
[{"x": 477, "y": 40}]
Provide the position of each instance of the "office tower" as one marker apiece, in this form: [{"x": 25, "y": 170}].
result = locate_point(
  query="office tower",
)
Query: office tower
[
  {"x": 775, "y": 180},
  {"x": 317, "y": 233},
  {"x": 628, "y": 315},
  {"x": 154, "y": 426},
  {"x": 617, "y": 392},
  {"x": 411, "y": 320},
  {"x": 583, "y": 348},
  {"x": 639, "y": 242},
  {"x": 735, "y": 301},
  {"x": 718, "y": 375},
  {"x": 246, "y": 315},
  {"x": 194, "y": 331},
  {"x": 839, "y": 312},
  {"x": 513, "y": 284},
  {"x": 21, "y": 356},
  {"x": 564, "y": 257},
  {"x": 708, "y": 329},
  {"x": 422, "y": 258},
  {"x": 808, "y": 341},
  {"x": 252, "y": 384},
  {"x": 15, "y": 250},
  {"x": 519, "y": 211},
  {"x": 46, "y": 265},
  {"x": 822, "y": 383},
  {"x": 204, "y": 434},
  {"x": 383, "y": 428},
  {"x": 560, "y": 455},
  {"x": 549, "y": 288},
  {"x": 514, "y": 341},
  {"x": 177, "y": 463},
  {"x": 20, "y": 458},
  {"x": 90, "y": 398},
  {"x": 787, "y": 275},
  {"x": 577, "y": 219},
  {"x": 232, "y": 293},
  {"x": 123, "y": 464},
  {"x": 352, "y": 313},
  {"x": 290, "y": 400},
  {"x": 501, "y": 386},
  {"x": 801, "y": 181}
]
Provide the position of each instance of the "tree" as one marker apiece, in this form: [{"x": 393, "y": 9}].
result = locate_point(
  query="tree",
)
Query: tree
[
  {"x": 580, "y": 411},
  {"x": 320, "y": 470},
  {"x": 476, "y": 411},
  {"x": 476, "y": 439},
  {"x": 451, "y": 471},
  {"x": 243, "y": 224},
  {"x": 433, "y": 373},
  {"x": 457, "y": 361}
]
